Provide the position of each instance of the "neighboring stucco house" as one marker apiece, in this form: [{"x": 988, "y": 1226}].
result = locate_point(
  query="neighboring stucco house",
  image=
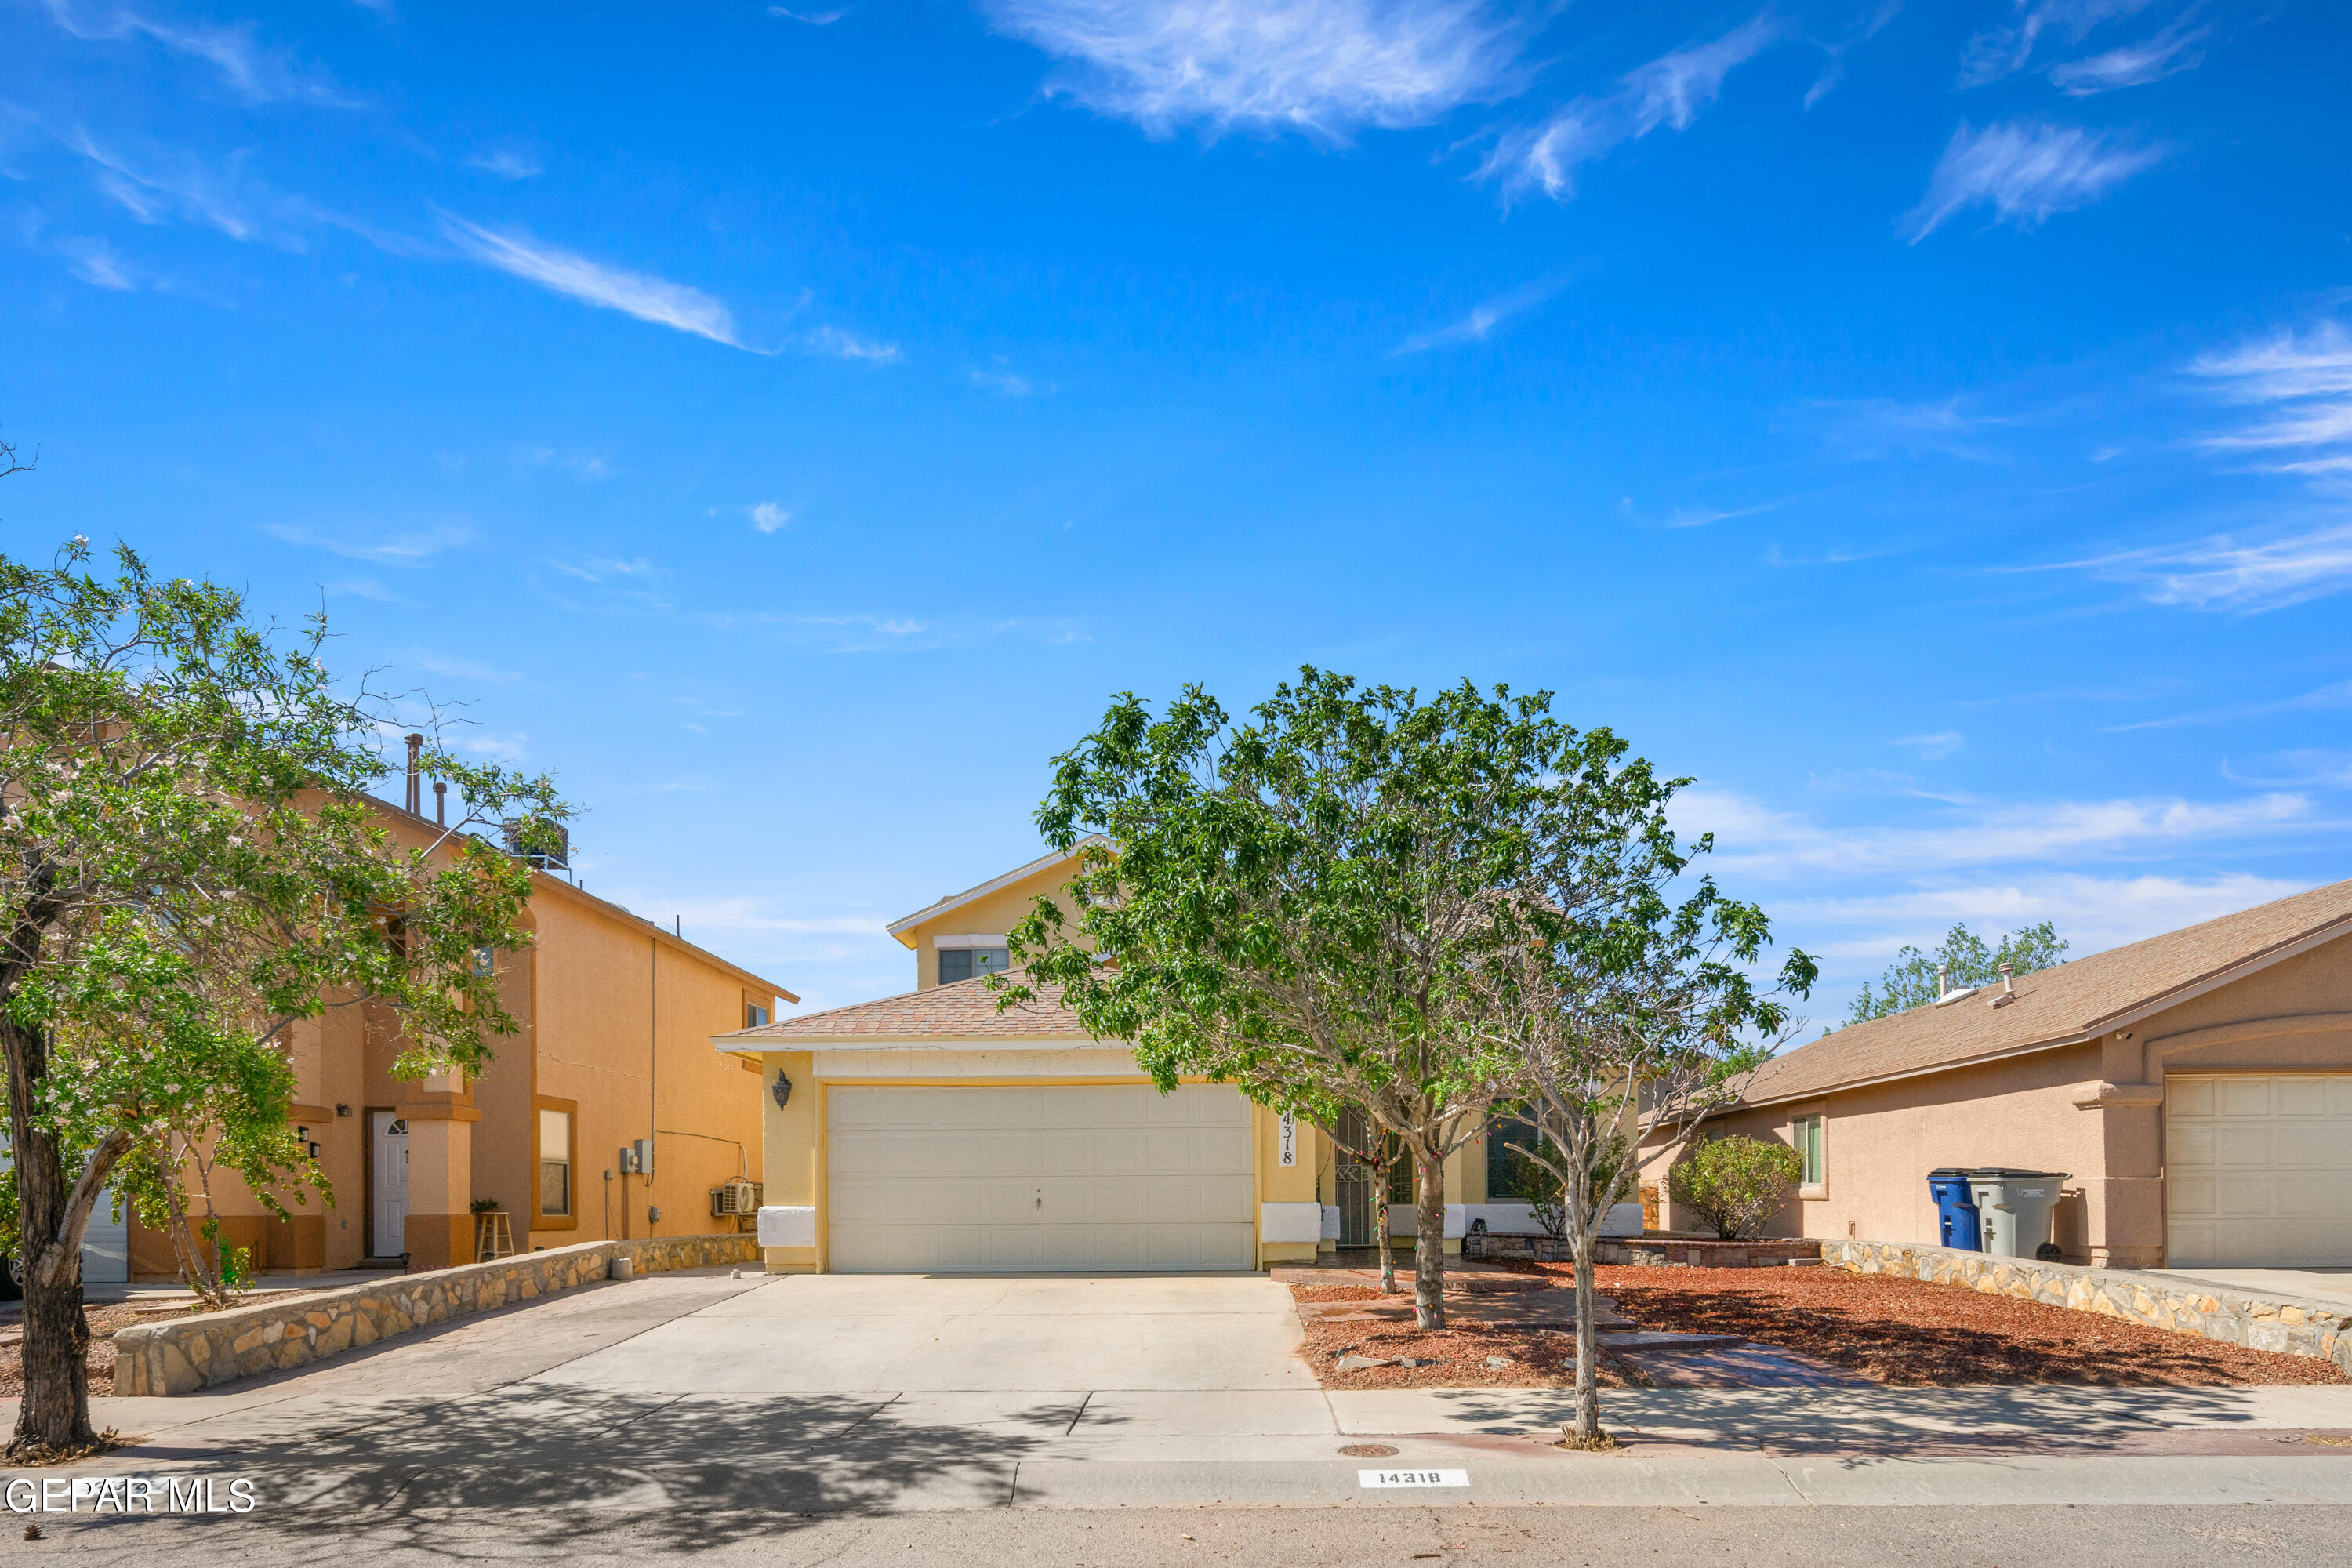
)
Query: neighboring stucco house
[
  {"x": 929, "y": 1130},
  {"x": 2197, "y": 1089},
  {"x": 617, "y": 1014}
]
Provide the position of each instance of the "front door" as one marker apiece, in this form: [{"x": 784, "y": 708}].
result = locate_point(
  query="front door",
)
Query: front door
[{"x": 388, "y": 1223}]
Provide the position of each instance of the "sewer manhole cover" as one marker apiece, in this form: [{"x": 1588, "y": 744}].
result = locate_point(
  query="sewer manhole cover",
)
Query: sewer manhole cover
[{"x": 1369, "y": 1451}]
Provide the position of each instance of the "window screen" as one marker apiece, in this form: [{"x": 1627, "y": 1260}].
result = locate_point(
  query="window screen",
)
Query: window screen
[
  {"x": 1808, "y": 1135},
  {"x": 964, "y": 962},
  {"x": 555, "y": 1161}
]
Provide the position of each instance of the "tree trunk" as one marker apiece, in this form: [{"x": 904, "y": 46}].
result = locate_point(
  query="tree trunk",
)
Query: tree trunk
[
  {"x": 55, "y": 1411},
  {"x": 1381, "y": 1230},
  {"x": 1429, "y": 1247},
  {"x": 1582, "y": 1224}
]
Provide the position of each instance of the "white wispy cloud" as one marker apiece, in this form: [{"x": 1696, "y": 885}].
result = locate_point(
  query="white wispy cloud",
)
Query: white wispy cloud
[
  {"x": 2224, "y": 572},
  {"x": 1756, "y": 841},
  {"x": 1322, "y": 67},
  {"x": 1877, "y": 427},
  {"x": 1005, "y": 382},
  {"x": 565, "y": 272},
  {"x": 254, "y": 71},
  {"x": 1935, "y": 747},
  {"x": 2026, "y": 171},
  {"x": 1670, "y": 91},
  {"x": 160, "y": 188},
  {"x": 768, "y": 517},
  {"x": 2178, "y": 47},
  {"x": 2009, "y": 46},
  {"x": 1483, "y": 318},
  {"x": 94, "y": 261},
  {"x": 836, "y": 343},
  {"x": 812, "y": 18},
  {"x": 2303, "y": 384},
  {"x": 2325, "y": 698},
  {"x": 2092, "y": 914},
  {"x": 506, "y": 163},
  {"x": 386, "y": 545}
]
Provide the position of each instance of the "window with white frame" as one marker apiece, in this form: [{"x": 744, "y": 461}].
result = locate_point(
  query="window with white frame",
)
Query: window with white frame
[
  {"x": 1805, "y": 1132},
  {"x": 963, "y": 957},
  {"x": 555, "y": 1162}
]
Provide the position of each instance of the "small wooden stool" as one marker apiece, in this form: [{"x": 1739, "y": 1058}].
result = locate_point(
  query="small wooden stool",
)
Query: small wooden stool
[{"x": 493, "y": 1236}]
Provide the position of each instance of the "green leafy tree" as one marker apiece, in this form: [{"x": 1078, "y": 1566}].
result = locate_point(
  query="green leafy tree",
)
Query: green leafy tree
[
  {"x": 1963, "y": 960},
  {"x": 188, "y": 867},
  {"x": 1625, "y": 993},
  {"x": 1293, "y": 905},
  {"x": 1734, "y": 1185}
]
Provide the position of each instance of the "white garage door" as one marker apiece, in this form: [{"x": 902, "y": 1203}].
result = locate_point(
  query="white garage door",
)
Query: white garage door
[
  {"x": 2258, "y": 1171},
  {"x": 1077, "y": 1178}
]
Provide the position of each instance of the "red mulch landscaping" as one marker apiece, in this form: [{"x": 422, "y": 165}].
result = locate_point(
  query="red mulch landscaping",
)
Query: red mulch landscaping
[
  {"x": 1539, "y": 1359},
  {"x": 1913, "y": 1333},
  {"x": 1903, "y": 1331}
]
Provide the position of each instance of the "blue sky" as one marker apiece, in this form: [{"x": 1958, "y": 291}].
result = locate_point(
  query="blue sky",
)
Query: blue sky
[{"x": 1928, "y": 426}]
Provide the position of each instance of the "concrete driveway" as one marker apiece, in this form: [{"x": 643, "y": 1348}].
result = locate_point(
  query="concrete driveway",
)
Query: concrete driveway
[{"x": 860, "y": 1333}]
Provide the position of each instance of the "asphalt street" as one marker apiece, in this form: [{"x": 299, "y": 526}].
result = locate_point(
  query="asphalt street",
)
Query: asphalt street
[{"x": 1974, "y": 1537}]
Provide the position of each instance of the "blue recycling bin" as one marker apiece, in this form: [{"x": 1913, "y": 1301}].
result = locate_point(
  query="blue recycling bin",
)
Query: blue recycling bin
[{"x": 1956, "y": 1209}]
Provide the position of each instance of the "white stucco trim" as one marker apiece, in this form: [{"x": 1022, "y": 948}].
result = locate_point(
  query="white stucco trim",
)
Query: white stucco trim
[
  {"x": 1331, "y": 1223},
  {"x": 1290, "y": 1222},
  {"x": 787, "y": 1225},
  {"x": 1404, "y": 1219}
]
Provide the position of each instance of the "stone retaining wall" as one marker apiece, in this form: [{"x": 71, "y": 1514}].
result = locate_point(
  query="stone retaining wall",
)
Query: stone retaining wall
[
  {"x": 1649, "y": 1251},
  {"x": 2293, "y": 1325},
  {"x": 202, "y": 1351}
]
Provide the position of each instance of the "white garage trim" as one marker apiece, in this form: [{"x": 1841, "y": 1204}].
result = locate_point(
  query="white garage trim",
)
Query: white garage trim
[
  {"x": 927, "y": 1178},
  {"x": 2258, "y": 1170}
]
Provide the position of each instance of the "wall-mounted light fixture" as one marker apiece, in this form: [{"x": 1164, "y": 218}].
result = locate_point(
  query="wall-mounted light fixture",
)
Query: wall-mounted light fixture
[
  {"x": 343, "y": 1110},
  {"x": 783, "y": 1091}
]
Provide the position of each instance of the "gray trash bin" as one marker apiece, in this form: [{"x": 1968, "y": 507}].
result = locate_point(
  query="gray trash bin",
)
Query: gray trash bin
[{"x": 2015, "y": 1206}]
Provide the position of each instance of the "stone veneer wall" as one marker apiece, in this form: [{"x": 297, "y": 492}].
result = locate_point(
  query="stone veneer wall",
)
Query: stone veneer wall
[
  {"x": 2290, "y": 1324},
  {"x": 201, "y": 1352},
  {"x": 1650, "y": 1251}
]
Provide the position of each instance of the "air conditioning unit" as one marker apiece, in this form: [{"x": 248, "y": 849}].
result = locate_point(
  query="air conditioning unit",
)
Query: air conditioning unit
[{"x": 738, "y": 1198}]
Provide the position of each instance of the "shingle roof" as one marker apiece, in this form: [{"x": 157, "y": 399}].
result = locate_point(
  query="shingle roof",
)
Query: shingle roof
[
  {"x": 961, "y": 1009},
  {"x": 2071, "y": 1001}
]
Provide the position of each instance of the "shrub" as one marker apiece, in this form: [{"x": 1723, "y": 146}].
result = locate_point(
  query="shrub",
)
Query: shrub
[{"x": 1734, "y": 1185}]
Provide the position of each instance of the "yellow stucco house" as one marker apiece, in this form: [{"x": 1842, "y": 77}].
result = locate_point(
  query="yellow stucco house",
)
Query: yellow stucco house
[{"x": 928, "y": 1131}]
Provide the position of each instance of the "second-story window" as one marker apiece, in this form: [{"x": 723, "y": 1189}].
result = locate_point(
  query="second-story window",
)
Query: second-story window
[
  {"x": 964, "y": 962},
  {"x": 754, "y": 1016}
]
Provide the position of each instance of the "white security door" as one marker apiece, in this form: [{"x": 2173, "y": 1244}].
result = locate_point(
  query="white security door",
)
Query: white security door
[
  {"x": 388, "y": 1224},
  {"x": 2258, "y": 1171},
  {"x": 1095, "y": 1177}
]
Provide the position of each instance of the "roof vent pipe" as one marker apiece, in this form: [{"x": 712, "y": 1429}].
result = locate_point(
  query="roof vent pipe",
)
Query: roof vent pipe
[
  {"x": 1943, "y": 981},
  {"x": 440, "y": 802},
  {"x": 415, "y": 800}
]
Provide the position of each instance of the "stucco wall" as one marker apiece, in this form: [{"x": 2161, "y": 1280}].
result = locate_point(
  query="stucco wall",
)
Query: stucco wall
[
  {"x": 1880, "y": 1142},
  {"x": 992, "y": 915},
  {"x": 2094, "y": 1111}
]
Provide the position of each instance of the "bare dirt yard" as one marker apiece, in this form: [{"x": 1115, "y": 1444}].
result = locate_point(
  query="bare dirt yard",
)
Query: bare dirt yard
[
  {"x": 103, "y": 1318},
  {"x": 1890, "y": 1331}
]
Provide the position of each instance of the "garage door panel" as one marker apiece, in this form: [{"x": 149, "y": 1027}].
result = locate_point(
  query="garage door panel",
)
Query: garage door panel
[
  {"x": 2241, "y": 1097},
  {"x": 1052, "y": 1176},
  {"x": 2236, "y": 1144},
  {"x": 2258, "y": 1170}
]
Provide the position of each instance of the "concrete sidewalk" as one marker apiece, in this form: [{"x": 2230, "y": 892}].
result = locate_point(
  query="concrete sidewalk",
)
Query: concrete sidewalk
[{"x": 710, "y": 1392}]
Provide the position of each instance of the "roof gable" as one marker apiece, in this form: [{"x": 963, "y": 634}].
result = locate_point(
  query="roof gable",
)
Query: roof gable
[{"x": 960, "y": 1010}]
